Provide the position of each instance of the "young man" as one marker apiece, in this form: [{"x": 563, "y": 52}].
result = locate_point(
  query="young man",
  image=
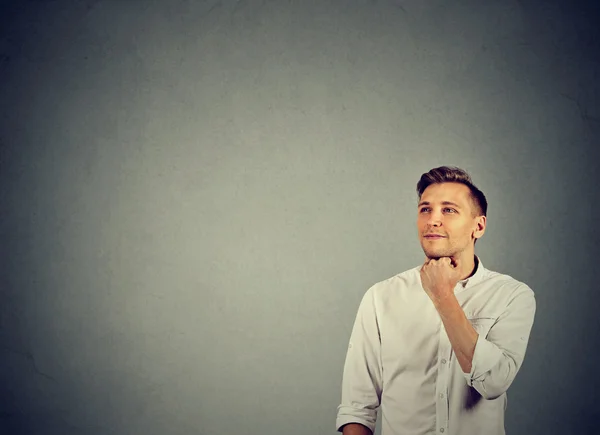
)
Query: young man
[{"x": 436, "y": 347}]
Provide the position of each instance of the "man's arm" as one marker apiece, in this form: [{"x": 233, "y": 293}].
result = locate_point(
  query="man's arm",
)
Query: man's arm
[
  {"x": 461, "y": 333},
  {"x": 490, "y": 364},
  {"x": 362, "y": 379},
  {"x": 356, "y": 429}
]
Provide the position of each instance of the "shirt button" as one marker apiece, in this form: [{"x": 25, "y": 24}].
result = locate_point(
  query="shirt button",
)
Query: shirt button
[
  {"x": 443, "y": 360},
  {"x": 441, "y": 395},
  {"x": 442, "y": 429}
]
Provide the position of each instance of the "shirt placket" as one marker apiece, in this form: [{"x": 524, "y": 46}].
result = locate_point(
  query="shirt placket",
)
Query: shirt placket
[{"x": 441, "y": 387}]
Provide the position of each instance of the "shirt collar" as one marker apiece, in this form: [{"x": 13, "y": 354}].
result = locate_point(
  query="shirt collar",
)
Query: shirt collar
[{"x": 476, "y": 277}]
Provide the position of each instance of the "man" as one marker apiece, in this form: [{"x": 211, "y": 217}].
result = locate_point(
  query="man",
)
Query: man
[{"x": 436, "y": 347}]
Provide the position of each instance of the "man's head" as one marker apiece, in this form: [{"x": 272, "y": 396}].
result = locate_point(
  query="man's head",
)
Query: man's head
[{"x": 451, "y": 206}]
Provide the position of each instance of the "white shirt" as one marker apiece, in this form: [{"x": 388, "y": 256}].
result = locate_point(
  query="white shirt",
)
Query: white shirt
[{"x": 400, "y": 359}]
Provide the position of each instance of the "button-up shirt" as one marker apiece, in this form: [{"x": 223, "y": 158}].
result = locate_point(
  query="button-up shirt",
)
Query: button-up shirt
[{"x": 400, "y": 359}]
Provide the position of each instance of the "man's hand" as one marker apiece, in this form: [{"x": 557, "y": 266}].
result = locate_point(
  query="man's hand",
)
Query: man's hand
[{"x": 439, "y": 277}]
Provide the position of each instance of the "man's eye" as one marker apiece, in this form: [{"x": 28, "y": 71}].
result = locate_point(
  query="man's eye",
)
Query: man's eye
[
  {"x": 451, "y": 209},
  {"x": 424, "y": 209}
]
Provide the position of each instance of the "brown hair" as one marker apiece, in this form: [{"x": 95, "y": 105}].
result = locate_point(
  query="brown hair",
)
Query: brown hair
[{"x": 450, "y": 174}]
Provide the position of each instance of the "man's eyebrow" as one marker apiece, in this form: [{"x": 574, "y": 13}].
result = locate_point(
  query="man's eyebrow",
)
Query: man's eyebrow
[{"x": 443, "y": 203}]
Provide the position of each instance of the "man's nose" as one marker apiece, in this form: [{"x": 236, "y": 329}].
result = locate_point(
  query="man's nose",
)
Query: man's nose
[{"x": 434, "y": 221}]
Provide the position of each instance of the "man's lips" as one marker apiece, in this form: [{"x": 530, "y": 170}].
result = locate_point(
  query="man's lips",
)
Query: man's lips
[{"x": 434, "y": 236}]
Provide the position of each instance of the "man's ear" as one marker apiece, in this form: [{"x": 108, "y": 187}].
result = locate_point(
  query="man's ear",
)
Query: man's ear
[{"x": 480, "y": 226}]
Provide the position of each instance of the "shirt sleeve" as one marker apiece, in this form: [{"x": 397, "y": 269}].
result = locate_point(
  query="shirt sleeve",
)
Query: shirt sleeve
[
  {"x": 362, "y": 376},
  {"x": 500, "y": 347}
]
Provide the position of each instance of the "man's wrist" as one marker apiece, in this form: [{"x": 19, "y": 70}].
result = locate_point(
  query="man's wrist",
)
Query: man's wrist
[{"x": 446, "y": 302}]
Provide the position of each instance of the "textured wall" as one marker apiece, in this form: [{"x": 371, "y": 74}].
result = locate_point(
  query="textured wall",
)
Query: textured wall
[{"x": 196, "y": 195}]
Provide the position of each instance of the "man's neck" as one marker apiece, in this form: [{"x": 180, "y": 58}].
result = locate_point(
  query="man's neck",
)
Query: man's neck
[{"x": 468, "y": 268}]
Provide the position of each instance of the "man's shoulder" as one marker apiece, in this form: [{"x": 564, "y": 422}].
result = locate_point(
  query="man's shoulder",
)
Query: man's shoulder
[
  {"x": 403, "y": 280},
  {"x": 506, "y": 282}
]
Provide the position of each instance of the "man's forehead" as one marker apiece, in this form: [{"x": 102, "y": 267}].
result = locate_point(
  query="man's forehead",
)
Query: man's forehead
[{"x": 452, "y": 192}]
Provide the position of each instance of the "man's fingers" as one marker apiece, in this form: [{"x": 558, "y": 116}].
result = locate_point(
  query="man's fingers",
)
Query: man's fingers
[{"x": 439, "y": 261}]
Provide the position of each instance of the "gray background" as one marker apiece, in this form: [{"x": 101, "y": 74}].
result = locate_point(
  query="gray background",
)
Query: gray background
[{"x": 196, "y": 195}]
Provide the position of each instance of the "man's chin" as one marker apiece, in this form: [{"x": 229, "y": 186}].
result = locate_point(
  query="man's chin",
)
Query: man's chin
[{"x": 437, "y": 254}]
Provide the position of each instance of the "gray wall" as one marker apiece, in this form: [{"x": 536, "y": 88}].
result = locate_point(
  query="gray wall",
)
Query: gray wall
[{"x": 196, "y": 195}]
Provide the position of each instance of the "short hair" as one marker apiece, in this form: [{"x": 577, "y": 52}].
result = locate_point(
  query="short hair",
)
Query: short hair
[{"x": 452, "y": 174}]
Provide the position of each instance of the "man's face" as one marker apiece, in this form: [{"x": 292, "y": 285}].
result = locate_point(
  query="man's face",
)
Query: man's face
[{"x": 446, "y": 209}]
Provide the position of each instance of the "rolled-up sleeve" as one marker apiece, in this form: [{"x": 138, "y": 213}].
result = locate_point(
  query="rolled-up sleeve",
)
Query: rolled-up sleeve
[
  {"x": 362, "y": 376},
  {"x": 499, "y": 352}
]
